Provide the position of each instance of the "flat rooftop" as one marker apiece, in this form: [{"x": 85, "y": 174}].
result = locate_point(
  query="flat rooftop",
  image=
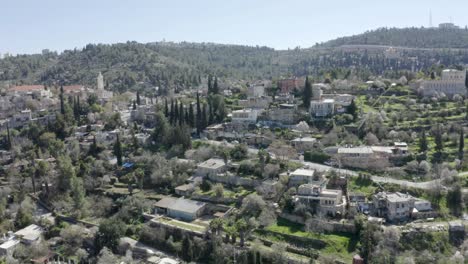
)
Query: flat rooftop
[
  {"x": 212, "y": 164},
  {"x": 180, "y": 204},
  {"x": 303, "y": 172}
]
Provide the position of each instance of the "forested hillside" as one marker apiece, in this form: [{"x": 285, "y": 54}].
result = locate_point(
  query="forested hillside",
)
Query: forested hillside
[
  {"x": 407, "y": 37},
  {"x": 134, "y": 65},
  {"x": 127, "y": 64}
]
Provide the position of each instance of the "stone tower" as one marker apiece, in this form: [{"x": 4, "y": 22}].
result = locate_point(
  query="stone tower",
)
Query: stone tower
[{"x": 100, "y": 82}]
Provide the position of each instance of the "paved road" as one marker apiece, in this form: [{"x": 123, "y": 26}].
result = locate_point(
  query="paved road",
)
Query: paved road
[
  {"x": 419, "y": 185},
  {"x": 324, "y": 168}
]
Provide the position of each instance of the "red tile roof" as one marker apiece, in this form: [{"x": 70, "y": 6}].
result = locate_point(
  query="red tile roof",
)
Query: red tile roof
[
  {"x": 72, "y": 88},
  {"x": 27, "y": 88}
]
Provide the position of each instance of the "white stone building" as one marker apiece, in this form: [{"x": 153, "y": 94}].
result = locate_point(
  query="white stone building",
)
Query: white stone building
[
  {"x": 245, "y": 116},
  {"x": 452, "y": 82}
]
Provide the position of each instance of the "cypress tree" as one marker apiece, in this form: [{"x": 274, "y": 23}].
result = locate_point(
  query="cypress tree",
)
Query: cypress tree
[
  {"x": 187, "y": 117},
  {"x": 134, "y": 105},
  {"x": 166, "y": 108},
  {"x": 93, "y": 149},
  {"x": 210, "y": 85},
  {"x": 181, "y": 114},
  {"x": 176, "y": 112},
  {"x": 461, "y": 145},
  {"x": 215, "y": 86},
  {"x": 138, "y": 100},
  {"x": 78, "y": 106},
  {"x": 438, "y": 139},
  {"x": 423, "y": 142},
  {"x": 62, "y": 106},
  {"x": 352, "y": 109},
  {"x": 191, "y": 117},
  {"x": 210, "y": 110},
  {"x": 307, "y": 95},
  {"x": 187, "y": 249},
  {"x": 466, "y": 80},
  {"x": 203, "y": 118},
  {"x": 171, "y": 115},
  {"x": 118, "y": 151},
  {"x": 8, "y": 141},
  {"x": 199, "y": 113}
]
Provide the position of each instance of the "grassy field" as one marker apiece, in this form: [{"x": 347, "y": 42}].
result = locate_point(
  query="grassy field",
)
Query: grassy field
[
  {"x": 339, "y": 245},
  {"x": 358, "y": 185},
  {"x": 181, "y": 224}
]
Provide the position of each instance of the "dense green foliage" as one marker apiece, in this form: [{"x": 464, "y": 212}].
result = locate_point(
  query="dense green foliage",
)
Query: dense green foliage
[
  {"x": 408, "y": 37},
  {"x": 168, "y": 66}
]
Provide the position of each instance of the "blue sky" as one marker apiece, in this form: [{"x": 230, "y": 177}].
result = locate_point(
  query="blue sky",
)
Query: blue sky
[{"x": 28, "y": 26}]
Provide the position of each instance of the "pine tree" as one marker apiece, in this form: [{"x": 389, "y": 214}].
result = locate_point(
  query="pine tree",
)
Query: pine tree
[
  {"x": 352, "y": 109},
  {"x": 118, "y": 151},
  {"x": 93, "y": 149},
  {"x": 307, "y": 95},
  {"x": 423, "y": 142},
  {"x": 461, "y": 145},
  {"x": 138, "y": 100},
  {"x": 187, "y": 249},
  {"x": 199, "y": 113},
  {"x": 62, "y": 105}
]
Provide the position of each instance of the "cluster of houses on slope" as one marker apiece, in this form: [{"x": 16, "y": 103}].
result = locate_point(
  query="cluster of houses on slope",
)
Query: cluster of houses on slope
[
  {"x": 326, "y": 105},
  {"x": 451, "y": 83},
  {"x": 28, "y": 236},
  {"x": 368, "y": 157},
  {"x": 392, "y": 207},
  {"x": 18, "y": 97}
]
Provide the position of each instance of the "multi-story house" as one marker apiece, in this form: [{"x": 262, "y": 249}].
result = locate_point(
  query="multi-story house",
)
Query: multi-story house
[
  {"x": 325, "y": 201},
  {"x": 396, "y": 207}
]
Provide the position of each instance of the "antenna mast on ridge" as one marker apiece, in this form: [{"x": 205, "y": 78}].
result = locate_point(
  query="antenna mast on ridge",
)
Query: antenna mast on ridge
[{"x": 430, "y": 18}]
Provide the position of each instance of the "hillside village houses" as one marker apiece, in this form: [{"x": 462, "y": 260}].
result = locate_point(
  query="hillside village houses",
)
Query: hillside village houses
[
  {"x": 212, "y": 166},
  {"x": 367, "y": 157},
  {"x": 245, "y": 116},
  {"x": 287, "y": 86},
  {"x": 28, "y": 236},
  {"x": 302, "y": 144},
  {"x": 326, "y": 201},
  {"x": 397, "y": 207},
  {"x": 37, "y": 91},
  {"x": 326, "y": 105},
  {"x": 301, "y": 176},
  {"x": 180, "y": 208},
  {"x": 452, "y": 82}
]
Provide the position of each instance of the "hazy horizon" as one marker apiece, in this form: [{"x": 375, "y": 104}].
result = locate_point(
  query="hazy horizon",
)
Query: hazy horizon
[{"x": 31, "y": 26}]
